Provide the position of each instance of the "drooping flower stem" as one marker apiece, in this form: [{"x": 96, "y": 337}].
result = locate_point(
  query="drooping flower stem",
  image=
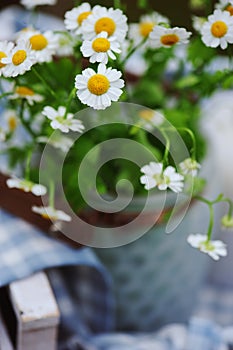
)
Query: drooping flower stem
[
  {"x": 193, "y": 150},
  {"x": 44, "y": 82}
]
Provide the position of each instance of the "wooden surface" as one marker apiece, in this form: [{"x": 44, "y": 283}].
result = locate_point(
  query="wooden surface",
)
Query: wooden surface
[{"x": 36, "y": 311}]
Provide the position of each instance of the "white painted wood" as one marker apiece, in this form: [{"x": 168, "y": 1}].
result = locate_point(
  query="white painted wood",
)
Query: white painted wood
[
  {"x": 5, "y": 342},
  {"x": 36, "y": 311}
]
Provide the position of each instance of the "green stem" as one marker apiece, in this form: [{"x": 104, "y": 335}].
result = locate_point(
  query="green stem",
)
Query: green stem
[
  {"x": 5, "y": 94},
  {"x": 28, "y": 162},
  {"x": 44, "y": 82},
  {"x": 167, "y": 147},
  {"x": 131, "y": 52},
  {"x": 24, "y": 122},
  {"x": 211, "y": 223},
  {"x": 70, "y": 97},
  {"x": 51, "y": 194},
  {"x": 193, "y": 150}
]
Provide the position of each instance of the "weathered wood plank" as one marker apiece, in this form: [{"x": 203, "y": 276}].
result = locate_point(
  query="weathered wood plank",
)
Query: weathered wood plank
[{"x": 36, "y": 311}]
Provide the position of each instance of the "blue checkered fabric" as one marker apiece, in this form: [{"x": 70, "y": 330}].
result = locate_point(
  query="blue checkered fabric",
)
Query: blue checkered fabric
[{"x": 25, "y": 250}]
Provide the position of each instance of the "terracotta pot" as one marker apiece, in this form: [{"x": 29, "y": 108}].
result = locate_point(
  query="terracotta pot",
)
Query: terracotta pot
[{"x": 19, "y": 203}]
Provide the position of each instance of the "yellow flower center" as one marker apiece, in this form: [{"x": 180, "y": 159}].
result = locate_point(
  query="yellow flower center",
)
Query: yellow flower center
[
  {"x": 230, "y": 9},
  {"x": 145, "y": 28},
  {"x": 19, "y": 57},
  {"x": 101, "y": 45},
  {"x": 169, "y": 39},
  {"x": 83, "y": 16},
  {"x": 24, "y": 91},
  {"x": 46, "y": 216},
  {"x": 98, "y": 84},
  {"x": 38, "y": 42},
  {"x": 105, "y": 24},
  {"x": 219, "y": 29},
  {"x": 147, "y": 115},
  {"x": 12, "y": 122},
  {"x": 2, "y": 55}
]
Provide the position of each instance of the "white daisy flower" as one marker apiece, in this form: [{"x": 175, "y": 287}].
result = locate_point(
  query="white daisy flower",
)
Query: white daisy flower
[
  {"x": 215, "y": 249},
  {"x": 151, "y": 118},
  {"x": 62, "y": 122},
  {"x": 114, "y": 22},
  {"x": 75, "y": 17},
  {"x": 51, "y": 213},
  {"x": 189, "y": 167},
  {"x": 43, "y": 46},
  {"x": 5, "y": 50},
  {"x": 24, "y": 92},
  {"x": 57, "y": 141},
  {"x": 218, "y": 30},
  {"x": 167, "y": 37},
  {"x": 11, "y": 120},
  {"x": 198, "y": 22},
  {"x": 27, "y": 186},
  {"x": 100, "y": 48},
  {"x": 19, "y": 61},
  {"x": 155, "y": 176},
  {"x": 226, "y": 5},
  {"x": 99, "y": 89},
  {"x": 65, "y": 44},
  {"x": 142, "y": 30},
  {"x": 30, "y": 4}
]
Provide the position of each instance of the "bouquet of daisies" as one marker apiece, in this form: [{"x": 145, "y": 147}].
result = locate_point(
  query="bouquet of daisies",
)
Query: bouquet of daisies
[{"x": 100, "y": 59}]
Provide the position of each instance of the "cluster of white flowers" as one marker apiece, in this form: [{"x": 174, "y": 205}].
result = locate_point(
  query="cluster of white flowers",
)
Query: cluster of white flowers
[{"x": 106, "y": 42}]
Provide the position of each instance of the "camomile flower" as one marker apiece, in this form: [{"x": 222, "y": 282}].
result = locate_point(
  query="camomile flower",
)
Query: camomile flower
[
  {"x": 24, "y": 92},
  {"x": 168, "y": 37},
  {"x": 114, "y": 22},
  {"x": 155, "y": 176},
  {"x": 65, "y": 44},
  {"x": 19, "y": 60},
  {"x": 99, "y": 89},
  {"x": 142, "y": 30},
  {"x": 61, "y": 121},
  {"x": 215, "y": 249},
  {"x": 5, "y": 50},
  {"x": 75, "y": 17},
  {"x": 57, "y": 141},
  {"x": 151, "y": 118},
  {"x": 100, "y": 48},
  {"x": 226, "y": 5},
  {"x": 51, "y": 213},
  {"x": 26, "y": 186},
  {"x": 43, "y": 46},
  {"x": 30, "y": 4},
  {"x": 218, "y": 30},
  {"x": 189, "y": 167},
  {"x": 11, "y": 120},
  {"x": 2, "y": 135},
  {"x": 198, "y": 22}
]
